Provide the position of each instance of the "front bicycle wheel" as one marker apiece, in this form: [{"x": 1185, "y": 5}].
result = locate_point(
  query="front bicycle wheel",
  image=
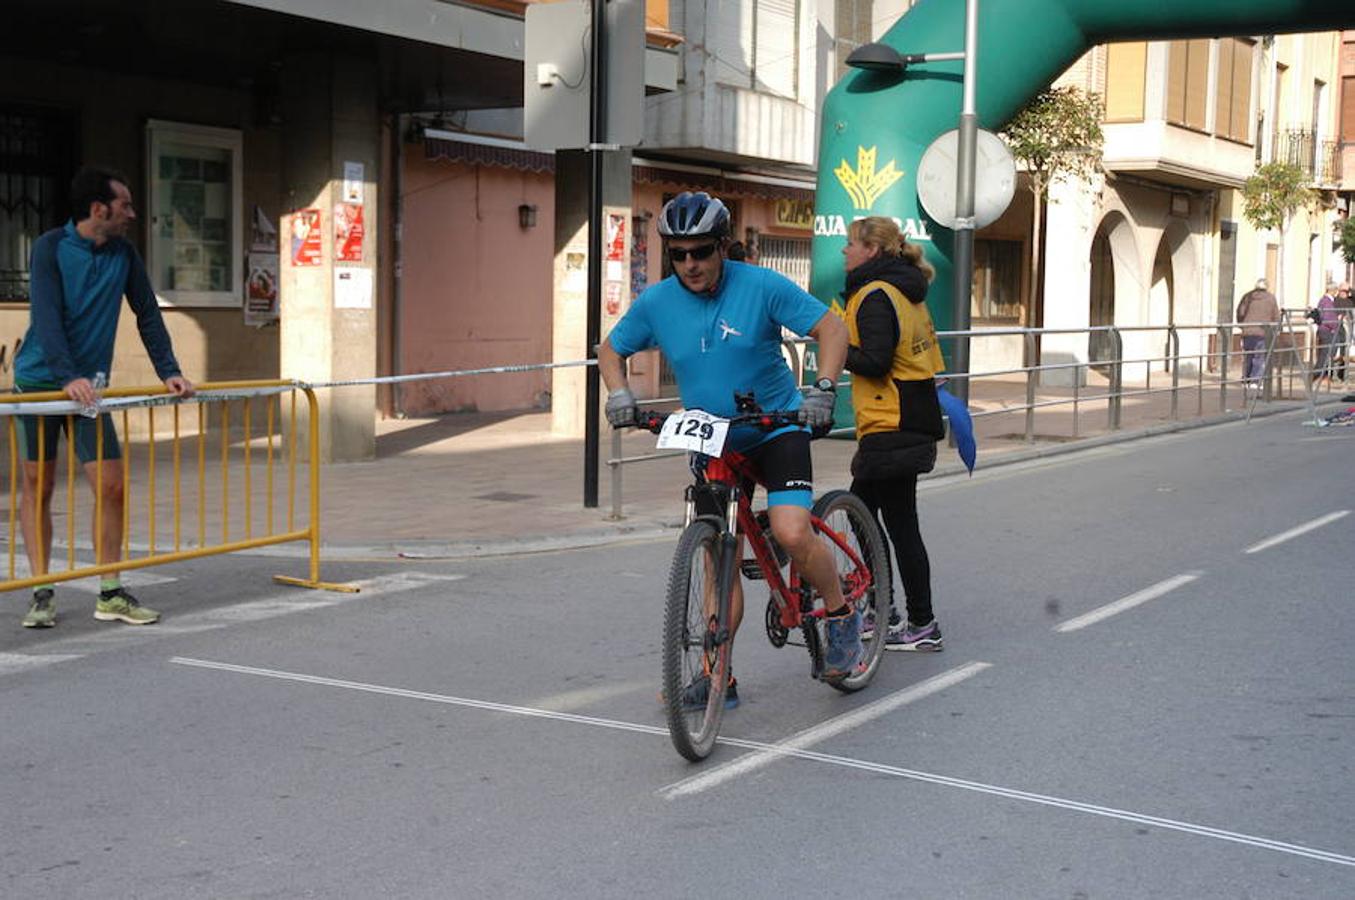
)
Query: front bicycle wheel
[
  {"x": 862, "y": 563},
  {"x": 696, "y": 647}
]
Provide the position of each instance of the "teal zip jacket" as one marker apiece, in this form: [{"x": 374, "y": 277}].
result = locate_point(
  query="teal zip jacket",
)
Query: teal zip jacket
[{"x": 75, "y": 299}]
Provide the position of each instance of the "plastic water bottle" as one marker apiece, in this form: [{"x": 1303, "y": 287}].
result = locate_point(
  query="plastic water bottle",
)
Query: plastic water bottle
[{"x": 92, "y": 410}]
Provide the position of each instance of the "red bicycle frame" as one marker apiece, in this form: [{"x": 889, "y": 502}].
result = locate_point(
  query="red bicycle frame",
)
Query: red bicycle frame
[{"x": 733, "y": 470}]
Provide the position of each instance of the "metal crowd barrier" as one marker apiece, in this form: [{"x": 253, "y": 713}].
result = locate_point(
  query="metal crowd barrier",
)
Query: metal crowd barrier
[
  {"x": 1137, "y": 377},
  {"x": 170, "y": 536}
]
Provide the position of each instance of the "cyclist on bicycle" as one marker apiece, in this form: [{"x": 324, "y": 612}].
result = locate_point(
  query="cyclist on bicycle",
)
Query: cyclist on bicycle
[{"x": 719, "y": 324}]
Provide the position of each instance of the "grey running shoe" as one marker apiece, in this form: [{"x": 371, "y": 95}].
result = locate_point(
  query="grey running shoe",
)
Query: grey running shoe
[
  {"x": 868, "y": 623},
  {"x": 42, "y": 611},
  {"x": 844, "y": 650},
  {"x": 925, "y": 638}
]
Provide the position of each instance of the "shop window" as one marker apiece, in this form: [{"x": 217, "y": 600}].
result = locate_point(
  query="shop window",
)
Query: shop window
[
  {"x": 997, "y": 282},
  {"x": 194, "y": 202},
  {"x": 35, "y": 173}
]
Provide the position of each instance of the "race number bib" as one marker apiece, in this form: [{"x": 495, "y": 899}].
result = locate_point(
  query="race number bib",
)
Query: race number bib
[{"x": 692, "y": 429}]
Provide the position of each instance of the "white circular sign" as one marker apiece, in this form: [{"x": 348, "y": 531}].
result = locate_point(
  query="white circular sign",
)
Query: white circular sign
[{"x": 994, "y": 178}]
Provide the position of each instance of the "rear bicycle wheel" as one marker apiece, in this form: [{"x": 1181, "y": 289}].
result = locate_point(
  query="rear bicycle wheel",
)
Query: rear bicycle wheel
[
  {"x": 695, "y": 646},
  {"x": 865, "y": 580}
]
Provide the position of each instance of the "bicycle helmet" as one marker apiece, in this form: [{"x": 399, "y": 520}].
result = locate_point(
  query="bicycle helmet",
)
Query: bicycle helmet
[{"x": 692, "y": 215}]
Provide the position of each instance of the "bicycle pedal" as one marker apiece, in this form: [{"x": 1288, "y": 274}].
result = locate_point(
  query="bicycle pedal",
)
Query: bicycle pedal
[{"x": 751, "y": 570}]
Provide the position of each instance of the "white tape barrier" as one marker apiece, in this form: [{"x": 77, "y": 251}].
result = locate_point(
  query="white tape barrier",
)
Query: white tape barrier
[{"x": 66, "y": 407}]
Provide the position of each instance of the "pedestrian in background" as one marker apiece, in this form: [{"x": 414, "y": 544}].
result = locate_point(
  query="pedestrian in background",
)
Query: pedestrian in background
[
  {"x": 1257, "y": 310},
  {"x": 1345, "y": 309},
  {"x": 80, "y": 273},
  {"x": 1327, "y": 320},
  {"x": 894, "y": 357}
]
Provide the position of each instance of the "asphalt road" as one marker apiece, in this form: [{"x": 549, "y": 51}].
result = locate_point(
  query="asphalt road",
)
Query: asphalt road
[{"x": 1130, "y": 704}]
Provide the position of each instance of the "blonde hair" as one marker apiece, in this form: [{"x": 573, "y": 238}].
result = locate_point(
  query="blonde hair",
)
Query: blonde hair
[{"x": 883, "y": 232}]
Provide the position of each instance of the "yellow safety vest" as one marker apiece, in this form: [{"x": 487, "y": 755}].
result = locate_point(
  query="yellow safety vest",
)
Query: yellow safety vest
[{"x": 917, "y": 357}]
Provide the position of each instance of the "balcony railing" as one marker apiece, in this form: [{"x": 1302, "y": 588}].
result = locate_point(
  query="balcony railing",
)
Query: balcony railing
[{"x": 1321, "y": 160}]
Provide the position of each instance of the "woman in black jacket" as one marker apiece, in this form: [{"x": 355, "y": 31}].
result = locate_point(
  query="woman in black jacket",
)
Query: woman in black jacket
[{"x": 893, "y": 357}]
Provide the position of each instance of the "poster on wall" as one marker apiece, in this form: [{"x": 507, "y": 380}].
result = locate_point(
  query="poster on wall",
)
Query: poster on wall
[
  {"x": 352, "y": 287},
  {"x": 348, "y": 231},
  {"x": 261, "y": 289},
  {"x": 353, "y": 176},
  {"x": 616, "y": 237},
  {"x": 639, "y": 257},
  {"x": 612, "y": 298},
  {"x": 263, "y": 235},
  {"x": 306, "y": 247}
]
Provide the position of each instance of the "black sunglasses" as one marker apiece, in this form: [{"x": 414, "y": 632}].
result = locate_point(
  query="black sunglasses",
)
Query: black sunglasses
[{"x": 677, "y": 254}]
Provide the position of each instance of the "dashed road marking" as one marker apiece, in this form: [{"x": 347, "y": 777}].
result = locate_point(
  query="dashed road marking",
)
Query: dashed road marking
[
  {"x": 1124, "y": 603},
  {"x": 283, "y": 603},
  {"x": 821, "y": 732},
  {"x": 1297, "y": 530}
]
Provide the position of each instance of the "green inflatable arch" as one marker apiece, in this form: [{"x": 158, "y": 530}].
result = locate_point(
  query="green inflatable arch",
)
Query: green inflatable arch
[{"x": 875, "y": 126}]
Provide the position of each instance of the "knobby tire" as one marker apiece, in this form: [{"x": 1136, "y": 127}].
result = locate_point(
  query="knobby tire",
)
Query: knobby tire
[
  {"x": 687, "y": 650},
  {"x": 846, "y": 514}
]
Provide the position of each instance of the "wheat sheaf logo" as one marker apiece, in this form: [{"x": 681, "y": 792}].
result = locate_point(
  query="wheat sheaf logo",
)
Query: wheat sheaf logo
[{"x": 864, "y": 184}]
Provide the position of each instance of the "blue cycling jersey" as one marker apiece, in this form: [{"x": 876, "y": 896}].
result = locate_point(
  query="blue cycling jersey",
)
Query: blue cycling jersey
[{"x": 726, "y": 343}]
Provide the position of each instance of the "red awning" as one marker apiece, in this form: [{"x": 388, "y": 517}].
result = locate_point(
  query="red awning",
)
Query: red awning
[{"x": 481, "y": 154}]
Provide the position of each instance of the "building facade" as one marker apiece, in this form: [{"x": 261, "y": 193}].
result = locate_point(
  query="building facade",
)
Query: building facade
[{"x": 1162, "y": 239}]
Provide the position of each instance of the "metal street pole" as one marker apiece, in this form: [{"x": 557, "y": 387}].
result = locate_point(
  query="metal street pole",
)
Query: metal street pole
[
  {"x": 596, "y": 137},
  {"x": 964, "y": 201}
]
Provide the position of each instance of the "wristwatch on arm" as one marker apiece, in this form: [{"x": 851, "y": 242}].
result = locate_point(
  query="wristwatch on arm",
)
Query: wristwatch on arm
[{"x": 826, "y": 384}]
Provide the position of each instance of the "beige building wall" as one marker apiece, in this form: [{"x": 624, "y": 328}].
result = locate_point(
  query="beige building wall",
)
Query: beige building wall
[
  {"x": 1170, "y": 186},
  {"x": 1289, "y": 102}
]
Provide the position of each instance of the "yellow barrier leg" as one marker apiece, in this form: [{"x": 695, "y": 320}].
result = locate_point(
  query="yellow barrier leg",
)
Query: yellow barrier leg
[{"x": 314, "y": 525}]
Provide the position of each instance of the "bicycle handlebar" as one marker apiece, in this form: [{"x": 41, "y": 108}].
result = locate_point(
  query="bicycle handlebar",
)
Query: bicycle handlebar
[{"x": 652, "y": 420}]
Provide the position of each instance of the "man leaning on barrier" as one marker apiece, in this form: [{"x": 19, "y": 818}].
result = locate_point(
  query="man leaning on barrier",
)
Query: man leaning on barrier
[{"x": 79, "y": 275}]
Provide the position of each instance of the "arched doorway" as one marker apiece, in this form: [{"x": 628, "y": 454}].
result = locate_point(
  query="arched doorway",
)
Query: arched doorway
[
  {"x": 1162, "y": 299},
  {"x": 1100, "y": 347},
  {"x": 1115, "y": 283}
]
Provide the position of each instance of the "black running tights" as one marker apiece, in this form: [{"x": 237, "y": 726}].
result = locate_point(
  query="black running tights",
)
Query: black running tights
[{"x": 895, "y": 501}]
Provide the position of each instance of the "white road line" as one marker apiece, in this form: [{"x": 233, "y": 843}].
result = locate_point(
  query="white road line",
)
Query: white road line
[
  {"x": 822, "y": 732},
  {"x": 1124, "y": 603},
  {"x": 811, "y": 755},
  {"x": 22, "y": 662},
  {"x": 282, "y": 603},
  {"x": 1297, "y": 530},
  {"x": 528, "y": 711}
]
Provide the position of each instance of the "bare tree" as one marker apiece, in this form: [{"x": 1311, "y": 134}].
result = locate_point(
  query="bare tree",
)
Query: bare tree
[
  {"x": 1270, "y": 199},
  {"x": 1055, "y": 137}
]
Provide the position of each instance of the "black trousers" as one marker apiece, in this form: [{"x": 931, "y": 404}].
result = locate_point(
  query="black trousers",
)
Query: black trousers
[{"x": 895, "y": 501}]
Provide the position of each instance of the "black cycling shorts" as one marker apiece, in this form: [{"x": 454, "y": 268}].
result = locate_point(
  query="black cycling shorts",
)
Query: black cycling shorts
[{"x": 784, "y": 468}]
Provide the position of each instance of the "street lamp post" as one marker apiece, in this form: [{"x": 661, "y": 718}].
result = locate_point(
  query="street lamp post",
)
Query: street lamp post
[
  {"x": 964, "y": 201},
  {"x": 883, "y": 58}
]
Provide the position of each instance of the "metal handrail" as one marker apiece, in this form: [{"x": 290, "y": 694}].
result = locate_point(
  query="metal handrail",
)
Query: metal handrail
[{"x": 1116, "y": 391}]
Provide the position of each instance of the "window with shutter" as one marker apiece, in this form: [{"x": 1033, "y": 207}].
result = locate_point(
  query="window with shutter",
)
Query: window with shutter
[{"x": 1125, "y": 67}]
